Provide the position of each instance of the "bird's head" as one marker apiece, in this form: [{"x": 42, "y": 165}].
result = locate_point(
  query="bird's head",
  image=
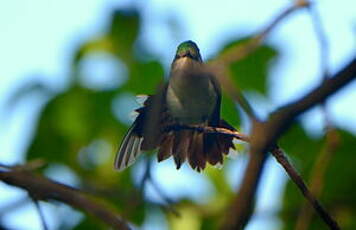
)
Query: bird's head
[{"x": 188, "y": 49}]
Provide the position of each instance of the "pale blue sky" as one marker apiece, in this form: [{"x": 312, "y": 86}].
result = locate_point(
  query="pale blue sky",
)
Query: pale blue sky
[{"x": 38, "y": 37}]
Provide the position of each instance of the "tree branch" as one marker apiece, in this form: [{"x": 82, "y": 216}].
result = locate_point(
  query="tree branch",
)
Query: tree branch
[
  {"x": 283, "y": 117},
  {"x": 297, "y": 179},
  {"x": 265, "y": 134},
  {"x": 41, "y": 188},
  {"x": 332, "y": 141},
  {"x": 209, "y": 129},
  {"x": 281, "y": 159}
]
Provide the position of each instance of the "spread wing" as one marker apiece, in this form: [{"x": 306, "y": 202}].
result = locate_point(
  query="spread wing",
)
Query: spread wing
[
  {"x": 129, "y": 150},
  {"x": 146, "y": 131}
]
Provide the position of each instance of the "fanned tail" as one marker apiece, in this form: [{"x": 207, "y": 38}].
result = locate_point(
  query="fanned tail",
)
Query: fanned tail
[{"x": 196, "y": 147}]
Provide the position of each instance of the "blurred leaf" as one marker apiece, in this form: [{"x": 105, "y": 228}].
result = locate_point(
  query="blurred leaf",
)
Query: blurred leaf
[
  {"x": 251, "y": 72},
  {"x": 218, "y": 179},
  {"x": 291, "y": 142},
  {"x": 145, "y": 77},
  {"x": 229, "y": 111},
  {"x": 70, "y": 121},
  {"x": 96, "y": 45},
  {"x": 123, "y": 31},
  {"x": 119, "y": 39},
  {"x": 339, "y": 180},
  {"x": 209, "y": 223},
  {"x": 89, "y": 223},
  {"x": 190, "y": 218}
]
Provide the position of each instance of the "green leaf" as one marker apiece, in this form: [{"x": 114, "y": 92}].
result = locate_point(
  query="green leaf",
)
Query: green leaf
[
  {"x": 70, "y": 121},
  {"x": 90, "y": 223},
  {"x": 124, "y": 29},
  {"x": 144, "y": 77},
  {"x": 338, "y": 181},
  {"x": 229, "y": 112},
  {"x": 251, "y": 72}
]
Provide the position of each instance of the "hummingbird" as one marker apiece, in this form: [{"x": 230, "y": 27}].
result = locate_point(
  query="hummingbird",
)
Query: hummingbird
[{"x": 191, "y": 97}]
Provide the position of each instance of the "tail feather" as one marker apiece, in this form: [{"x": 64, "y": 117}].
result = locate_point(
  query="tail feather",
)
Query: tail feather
[
  {"x": 213, "y": 149},
  {"x": 217, "y": 144},
  {"x": 226, "y": 140},
  {"x": 165, "y": 151},
  {"x": 181, "y": 146},
  {"x": 198, "y": 148},
  {"x": 197, "y": 155}
]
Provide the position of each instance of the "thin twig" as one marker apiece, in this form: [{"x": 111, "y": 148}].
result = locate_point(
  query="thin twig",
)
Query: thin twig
[
  {"x": 147, "y": 178},
  {"x": 317, "y": 176},
  {"x": 239, "y": 52},
  {"x": 220, "y": 65},
  {"x": 168, "y": 201},
  {"x": 208, "y": 129},
  {"x": 324, "y": 158},
  {"x": 297, "y": 179},
  {"x": 45, "y": 189},
  {"x": 40, "y": 213},
  {"x": 322, "y": 41},
  {"x": 324, "y": 55}
]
